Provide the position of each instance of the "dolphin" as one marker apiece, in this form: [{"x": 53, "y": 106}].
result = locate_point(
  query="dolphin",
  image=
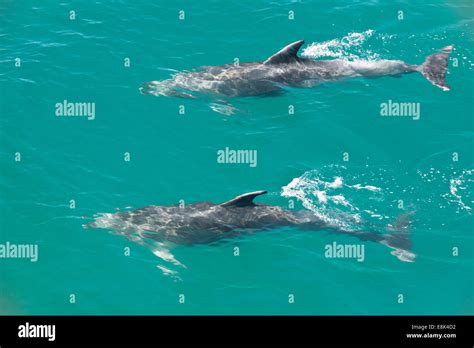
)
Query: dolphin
[
  {"x": 286, "y": 69},
  {"x": 207, "y": 223}
]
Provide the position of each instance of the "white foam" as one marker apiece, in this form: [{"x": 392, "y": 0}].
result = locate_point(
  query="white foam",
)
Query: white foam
[
  {"x": 454, "y": 188},
  {"x": 366, "y": 187},
  {"x": 336, "y": 183},
  {"x": 342, "y": 47},
  {"x": 458, "y": 183},
  {"x": 326, "y": 198},
  {"x": 321, "y": 195}
]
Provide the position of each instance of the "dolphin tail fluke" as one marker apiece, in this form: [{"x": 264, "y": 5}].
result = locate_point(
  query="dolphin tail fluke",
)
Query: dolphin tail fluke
[
  {"x": 400, "y": 238},
  {"x": 435, "y": 67}
]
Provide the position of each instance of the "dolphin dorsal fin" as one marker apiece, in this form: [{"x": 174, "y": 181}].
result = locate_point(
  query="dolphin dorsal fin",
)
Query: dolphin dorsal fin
[
  {"x": 243, "y": 200},
  {"x": 286, "y": 54}
]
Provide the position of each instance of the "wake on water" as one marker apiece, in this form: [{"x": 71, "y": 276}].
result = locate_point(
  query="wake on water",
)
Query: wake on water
[{"x": 349, "y": 47}]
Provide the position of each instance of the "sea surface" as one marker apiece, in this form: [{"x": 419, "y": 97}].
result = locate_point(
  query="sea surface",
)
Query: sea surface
[{"x": 326, "y": 149}]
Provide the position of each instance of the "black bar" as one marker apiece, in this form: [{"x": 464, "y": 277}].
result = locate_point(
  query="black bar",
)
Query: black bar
[{"x": 137, "y": 330}]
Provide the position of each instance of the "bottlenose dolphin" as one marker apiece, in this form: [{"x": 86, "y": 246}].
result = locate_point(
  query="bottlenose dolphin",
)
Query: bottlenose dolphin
[
  {"x": 286, "y": 69},
  {"x": 206, "y": 223}
]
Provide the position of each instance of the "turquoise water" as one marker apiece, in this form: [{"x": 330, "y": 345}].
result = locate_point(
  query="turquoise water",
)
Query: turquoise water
[{"x": 426, "y": 163}]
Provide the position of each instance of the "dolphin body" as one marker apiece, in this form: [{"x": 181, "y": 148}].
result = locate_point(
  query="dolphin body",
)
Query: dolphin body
[
  {"x": 286, "y": 69},
  {"x": 206, "y": 223}
]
